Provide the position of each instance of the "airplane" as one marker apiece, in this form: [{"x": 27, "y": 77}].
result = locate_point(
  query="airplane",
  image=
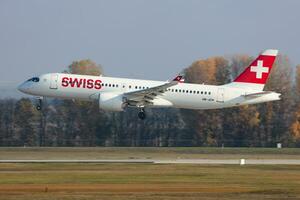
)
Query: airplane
[{"x": 116, "y": 94}]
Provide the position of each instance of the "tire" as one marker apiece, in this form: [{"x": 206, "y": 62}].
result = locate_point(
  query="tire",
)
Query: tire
[
  {"x": 38, "y": 107},
  {"x": 142, "y": 115}
]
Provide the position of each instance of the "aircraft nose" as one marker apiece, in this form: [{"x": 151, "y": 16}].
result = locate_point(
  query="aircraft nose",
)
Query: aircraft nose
[{"x": 23, "y": 88}]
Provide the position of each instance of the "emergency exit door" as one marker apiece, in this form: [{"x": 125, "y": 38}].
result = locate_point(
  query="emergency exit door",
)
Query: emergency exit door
[
  {"x": 54, "y": 81},
  {"x": 220, "y": 95}
]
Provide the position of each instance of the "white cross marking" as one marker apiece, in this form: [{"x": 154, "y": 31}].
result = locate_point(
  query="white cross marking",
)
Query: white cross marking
[{"x": 259, "y": 69}]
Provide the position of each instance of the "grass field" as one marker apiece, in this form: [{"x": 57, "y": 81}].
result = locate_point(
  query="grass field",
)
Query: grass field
[
  {"x": 148, "y": 153},
  {"x": 147, "y": 181}
]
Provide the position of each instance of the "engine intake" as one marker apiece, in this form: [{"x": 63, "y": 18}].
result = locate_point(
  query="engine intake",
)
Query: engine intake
[{"x": 111, "y": 102}]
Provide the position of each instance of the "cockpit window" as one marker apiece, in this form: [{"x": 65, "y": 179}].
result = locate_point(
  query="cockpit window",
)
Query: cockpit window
[{"x": 34, "y": 79}]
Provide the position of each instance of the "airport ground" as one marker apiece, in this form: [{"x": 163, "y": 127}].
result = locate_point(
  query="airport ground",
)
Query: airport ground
[
  {"x": 147, "y": 181},
  {"x": 163, "y": 153}
]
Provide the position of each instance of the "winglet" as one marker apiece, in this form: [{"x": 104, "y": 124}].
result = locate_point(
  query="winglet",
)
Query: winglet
[{"x": 179, "y": 79}]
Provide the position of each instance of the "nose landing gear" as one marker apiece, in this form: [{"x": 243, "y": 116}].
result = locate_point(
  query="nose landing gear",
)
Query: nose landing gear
[
  {"x": 142, "y": 114},
  {"x": 39, "y": 103}
]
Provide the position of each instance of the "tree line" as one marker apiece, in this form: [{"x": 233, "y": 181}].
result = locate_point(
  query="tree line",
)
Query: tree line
[{"x": 77, "y": 123}]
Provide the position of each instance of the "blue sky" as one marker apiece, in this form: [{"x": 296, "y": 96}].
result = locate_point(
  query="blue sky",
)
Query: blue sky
[{"x": 152, "y": 39}]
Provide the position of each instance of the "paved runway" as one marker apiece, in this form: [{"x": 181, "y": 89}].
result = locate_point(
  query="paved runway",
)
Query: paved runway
[{"x": 175, "y": 161}]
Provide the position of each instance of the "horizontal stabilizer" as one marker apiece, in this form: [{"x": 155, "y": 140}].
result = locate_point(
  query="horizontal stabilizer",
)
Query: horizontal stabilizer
[{"x": 257, "y": 94}]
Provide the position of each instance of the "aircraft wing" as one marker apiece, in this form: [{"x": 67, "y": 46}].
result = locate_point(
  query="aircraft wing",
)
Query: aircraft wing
[{"x": 145, "y": 96}]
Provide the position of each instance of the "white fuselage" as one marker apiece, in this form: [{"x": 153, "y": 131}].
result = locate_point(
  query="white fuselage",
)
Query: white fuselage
[{"x": 182, "y": 95}]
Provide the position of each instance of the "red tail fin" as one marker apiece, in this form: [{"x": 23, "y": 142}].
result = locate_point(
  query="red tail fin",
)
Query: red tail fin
[{"x": 258, "y": 71}]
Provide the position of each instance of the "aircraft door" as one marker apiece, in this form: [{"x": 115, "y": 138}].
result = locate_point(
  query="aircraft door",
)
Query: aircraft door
[
  {"x": 220, "y": 95},
  {"x": 54, "y": 81}
]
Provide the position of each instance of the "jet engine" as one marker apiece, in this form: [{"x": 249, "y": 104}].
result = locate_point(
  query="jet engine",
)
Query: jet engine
[{"x": 111, "y": 102}]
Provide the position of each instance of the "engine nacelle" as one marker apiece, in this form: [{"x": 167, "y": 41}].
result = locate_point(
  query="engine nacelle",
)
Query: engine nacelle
[{"x": 111, "y": 102}]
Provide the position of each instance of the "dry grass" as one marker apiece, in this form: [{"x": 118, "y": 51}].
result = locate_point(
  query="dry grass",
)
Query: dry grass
[{"x": 147, "y": 181}]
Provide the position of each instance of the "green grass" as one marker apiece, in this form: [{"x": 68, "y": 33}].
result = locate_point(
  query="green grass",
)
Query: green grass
[
  {"x": 147, "y": 181},
  {"x": 147, "y": 153}
]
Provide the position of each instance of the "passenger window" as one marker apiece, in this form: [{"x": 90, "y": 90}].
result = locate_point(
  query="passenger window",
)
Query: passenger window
[
  {"x": 194, "y": 91},
  {"x": 205, "y": 92},
  {"x": 201, "y": 92},
  {"x": 191, "y": 91},
  {"x": 197, "y": 92},
  {"x": 172, "y": 90},
  {"x": 113, "y": 85},
  {"x": 129, "y": 86},
  {"x": 179, "y": 90},
  {"x": 106, "y": 84},
  {"x": 183, "y": 90},
  {"x": 102, "y": 84},
  {"x": 136, "y": 87},
  {"x": 109, "y": 85},
  {"x": 176, "y": 90},
  {"x": 209, "y": 93}
]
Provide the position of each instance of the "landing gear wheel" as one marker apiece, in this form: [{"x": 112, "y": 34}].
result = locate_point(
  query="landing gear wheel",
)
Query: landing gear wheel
[
  {"x": 39, "y": 104},
  {"x": 142, "y": 114},
  {"x": 38, "y": 107}
]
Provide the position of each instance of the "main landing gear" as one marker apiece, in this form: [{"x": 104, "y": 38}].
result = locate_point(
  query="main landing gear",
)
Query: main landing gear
[
  {"x": 142, "y": 114},
  {"x": 39, "y": 103}
]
